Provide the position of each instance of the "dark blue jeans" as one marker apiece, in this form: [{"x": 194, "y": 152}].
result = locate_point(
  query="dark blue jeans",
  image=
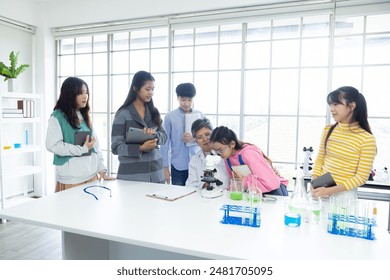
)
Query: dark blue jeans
[
  {"x": 178, "y": 177},
  {"x": 282, "y": 191}
]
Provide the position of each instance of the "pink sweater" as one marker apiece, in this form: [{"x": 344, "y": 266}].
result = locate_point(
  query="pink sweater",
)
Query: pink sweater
[{"x": 262, "y": 172}]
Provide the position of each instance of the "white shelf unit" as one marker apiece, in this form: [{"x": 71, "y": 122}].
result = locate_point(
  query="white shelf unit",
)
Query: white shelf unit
[{"x": 21, "y": 168}]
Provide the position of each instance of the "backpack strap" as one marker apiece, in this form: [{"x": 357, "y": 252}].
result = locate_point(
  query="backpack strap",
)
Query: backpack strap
[
  {"x": 230, "y": 164},
  {"x": 239, "y": 159}
]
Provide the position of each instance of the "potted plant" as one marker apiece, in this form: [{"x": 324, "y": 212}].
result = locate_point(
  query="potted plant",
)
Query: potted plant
[{"x": 13, "y": 71}]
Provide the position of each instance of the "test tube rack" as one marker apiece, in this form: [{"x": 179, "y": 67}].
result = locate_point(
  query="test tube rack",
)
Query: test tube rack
[
  {"x": 352, "y": 217},
  {"x": 354, "y": 226},
  {"x": 241, "y": 215}
]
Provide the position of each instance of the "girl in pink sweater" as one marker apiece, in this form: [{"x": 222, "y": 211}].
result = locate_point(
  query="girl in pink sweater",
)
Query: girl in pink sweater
[{"x": 235, "y": 152}]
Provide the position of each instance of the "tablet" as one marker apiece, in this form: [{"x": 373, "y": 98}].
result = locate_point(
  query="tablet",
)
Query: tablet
[
  {"x": 138, "y": 136},
  {"x": 188, "y": 120},
  {"x": 325, "y": 180},
  {"x": 79, "y": 139}
]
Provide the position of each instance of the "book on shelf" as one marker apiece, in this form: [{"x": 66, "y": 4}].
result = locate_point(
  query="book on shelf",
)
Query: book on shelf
[
  {"x": 13, "y": 115},
  {"x": 12, "y": 111},
  {"x": 27, "y": 106}
]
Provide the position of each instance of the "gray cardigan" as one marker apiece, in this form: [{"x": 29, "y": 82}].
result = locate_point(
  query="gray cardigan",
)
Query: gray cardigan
[{"x": 135, "y": 165}]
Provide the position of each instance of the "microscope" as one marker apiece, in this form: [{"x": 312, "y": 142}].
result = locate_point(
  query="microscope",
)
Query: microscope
[
  {"x": 307, "y": 163},
  {"x": 211, "y": 187}
]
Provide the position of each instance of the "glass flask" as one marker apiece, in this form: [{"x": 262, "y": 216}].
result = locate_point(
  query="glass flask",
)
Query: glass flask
[{"x": 297, "y": 205}]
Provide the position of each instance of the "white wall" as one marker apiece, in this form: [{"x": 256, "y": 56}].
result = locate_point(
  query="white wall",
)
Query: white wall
[
  {"x": 20, "y": 10},
  {"x": 73, "y": 12}
]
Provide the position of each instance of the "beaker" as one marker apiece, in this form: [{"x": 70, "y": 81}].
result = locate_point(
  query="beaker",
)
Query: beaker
[
  {"x": 235, "y": 189},
  {"x": 315, "y": 210}
]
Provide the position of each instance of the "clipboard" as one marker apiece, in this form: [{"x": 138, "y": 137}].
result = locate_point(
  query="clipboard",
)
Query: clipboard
[
  {"x": 137, "y": 136},
  {"x": 172, "y": 193},
  {"x": 326, "y": 180},
  {"x": 79, "y": 139},
  {"x": 243, "y": 169}
]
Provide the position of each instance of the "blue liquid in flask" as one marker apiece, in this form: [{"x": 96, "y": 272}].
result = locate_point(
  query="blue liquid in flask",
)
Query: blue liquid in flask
[{"x": 292, "y": 219}]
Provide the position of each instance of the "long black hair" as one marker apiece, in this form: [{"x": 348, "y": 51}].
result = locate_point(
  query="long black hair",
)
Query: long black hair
[
  {"x": 139, "y": 80},
  {"x": 225, "y": 136},
  {"x": 350, "y": 95},
  {"x": 70, "y": 89}
]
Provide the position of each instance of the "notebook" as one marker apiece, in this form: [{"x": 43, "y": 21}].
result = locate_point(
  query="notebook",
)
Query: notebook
[
  {"x": 325, "y": 180},
  {"x": 79, "y": 139},
  {"x": 243, "y": 169},
  {"x": 138, "y": 136}
]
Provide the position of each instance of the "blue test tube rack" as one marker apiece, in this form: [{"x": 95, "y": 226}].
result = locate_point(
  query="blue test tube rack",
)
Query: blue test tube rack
[
  {"x": 241, "y": 215},
  {"x": 352, "y": 217},
  {"x": 354, "y": 226}
]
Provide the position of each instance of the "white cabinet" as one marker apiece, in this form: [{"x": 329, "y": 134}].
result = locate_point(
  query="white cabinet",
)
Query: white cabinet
[{"x": 21, "y": 148}]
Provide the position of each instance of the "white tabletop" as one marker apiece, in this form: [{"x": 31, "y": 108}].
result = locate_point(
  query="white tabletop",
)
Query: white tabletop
[{"x": 190, "y": 225}]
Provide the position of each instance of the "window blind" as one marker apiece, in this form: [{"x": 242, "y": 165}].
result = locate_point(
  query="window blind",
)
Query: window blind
[{"x": 17, "y": 24}]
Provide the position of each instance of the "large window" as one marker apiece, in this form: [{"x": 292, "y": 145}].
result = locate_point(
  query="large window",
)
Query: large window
[{"x": 267, "y": 79}]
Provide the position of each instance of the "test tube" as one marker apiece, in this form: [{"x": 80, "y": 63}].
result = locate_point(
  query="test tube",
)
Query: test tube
[
  {"x": 343, "y": 216},
  {"x": 365, "y": 219},
  {"x": 374, "y": 214},
  {"x": 360, "y": 218},
  {"x": 331, "y": 214},
  {"x": 353, "y": 217}
]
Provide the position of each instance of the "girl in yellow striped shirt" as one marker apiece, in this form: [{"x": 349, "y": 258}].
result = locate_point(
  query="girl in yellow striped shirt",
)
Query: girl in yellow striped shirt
[{"x": 348, "y": 148}]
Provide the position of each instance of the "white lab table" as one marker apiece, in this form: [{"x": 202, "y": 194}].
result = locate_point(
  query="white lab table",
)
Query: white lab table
[{"x": 130, "y": 225}]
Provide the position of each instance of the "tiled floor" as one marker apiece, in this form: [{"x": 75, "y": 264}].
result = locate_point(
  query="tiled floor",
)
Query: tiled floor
[{"x": 20, "y": 241}]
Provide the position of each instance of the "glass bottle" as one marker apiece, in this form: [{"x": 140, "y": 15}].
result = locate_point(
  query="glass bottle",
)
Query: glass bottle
[{"x": 297, "y": 204}]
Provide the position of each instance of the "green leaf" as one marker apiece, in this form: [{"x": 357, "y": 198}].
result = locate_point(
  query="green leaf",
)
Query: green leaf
[{"x": 13, "y": 71}]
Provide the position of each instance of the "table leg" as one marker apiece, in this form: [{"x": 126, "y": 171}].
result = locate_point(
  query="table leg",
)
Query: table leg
[{"x": 81, "y": 247}]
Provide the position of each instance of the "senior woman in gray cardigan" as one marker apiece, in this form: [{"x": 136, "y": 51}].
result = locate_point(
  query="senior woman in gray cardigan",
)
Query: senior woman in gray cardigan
[{"x": 139, "y": 161}]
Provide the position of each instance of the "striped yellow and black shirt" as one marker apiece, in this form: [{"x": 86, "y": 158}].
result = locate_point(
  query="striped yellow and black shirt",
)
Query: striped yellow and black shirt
[{"x": 349, "y": 155}]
